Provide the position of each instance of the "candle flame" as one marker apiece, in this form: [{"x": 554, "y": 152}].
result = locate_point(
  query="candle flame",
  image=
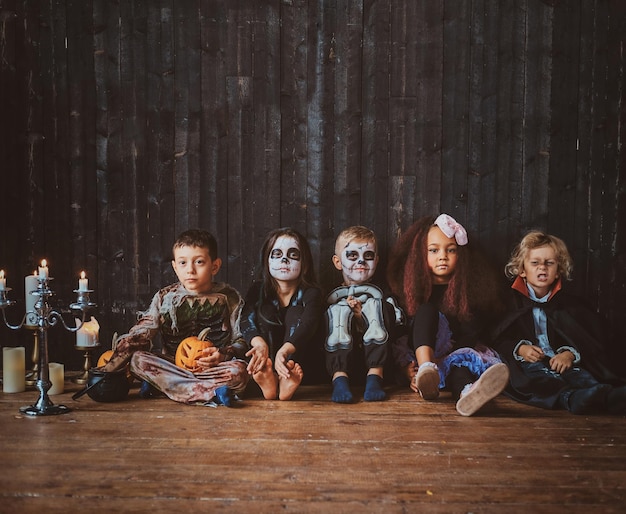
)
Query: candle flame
[
  {"x": 44, "y": 263},
  {"x": 1, "y": 273},
  {"x": 34, "y": 273},
  {"x": 82, "y": 274}
]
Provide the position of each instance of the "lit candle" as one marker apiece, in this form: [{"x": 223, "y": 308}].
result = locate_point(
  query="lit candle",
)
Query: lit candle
[
  {"x": 3, "y": 281},
  {"x": 56, "y": 372},
  {"x": 83, "y": 282},
  {"x": 43, "y": 270},
  {"x": 13, "y": 370},
  {"x": 30, "y": 284},
  {"x": 87, "y": 334}
]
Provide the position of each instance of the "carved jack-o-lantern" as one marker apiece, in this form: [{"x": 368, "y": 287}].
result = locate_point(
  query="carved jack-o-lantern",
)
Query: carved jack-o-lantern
[{"x": 190, "y": 350}]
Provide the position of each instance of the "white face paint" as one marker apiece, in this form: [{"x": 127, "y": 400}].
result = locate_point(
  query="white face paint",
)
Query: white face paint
[
  {"x": 284, "y": 260},
  {"x": 358, "y": 262}
]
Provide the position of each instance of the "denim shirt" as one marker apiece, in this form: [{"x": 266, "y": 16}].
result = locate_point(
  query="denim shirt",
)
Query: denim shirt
[
  {"x": 541, "y": 330},
  {"x": 541, "y": 323}
]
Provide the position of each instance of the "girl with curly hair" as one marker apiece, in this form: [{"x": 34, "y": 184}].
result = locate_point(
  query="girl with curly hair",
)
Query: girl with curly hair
[{"x": 450, "y": 293}]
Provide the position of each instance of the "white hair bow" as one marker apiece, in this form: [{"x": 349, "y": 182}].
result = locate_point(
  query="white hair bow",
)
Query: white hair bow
[{"x": 450, "y": 228}]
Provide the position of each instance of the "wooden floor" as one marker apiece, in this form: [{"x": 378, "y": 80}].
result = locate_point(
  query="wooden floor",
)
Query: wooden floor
[{"x": 307, "y": 455}]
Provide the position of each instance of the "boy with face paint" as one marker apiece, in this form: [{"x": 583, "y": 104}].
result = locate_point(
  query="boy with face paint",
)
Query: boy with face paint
[
  {"x": 359, "y": 317},
  {"x": 281, "y": 314}
]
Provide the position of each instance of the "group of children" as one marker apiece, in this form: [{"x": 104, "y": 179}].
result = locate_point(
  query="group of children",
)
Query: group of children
[{"x": 439, "y": 323}]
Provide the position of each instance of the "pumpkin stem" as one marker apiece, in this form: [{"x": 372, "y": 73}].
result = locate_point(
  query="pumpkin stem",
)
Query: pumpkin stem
[{"x": 203, "y": 333}]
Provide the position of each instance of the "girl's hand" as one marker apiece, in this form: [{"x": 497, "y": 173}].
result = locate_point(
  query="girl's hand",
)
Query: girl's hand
[
  {"x": 282, "y": 356},
  {"x": 258, "y": 354},
  {"x": 211, "y": 358},
  {"x": 530, "y": 353},
  {"x": 561, "y": 362},
  {"x": 411, "y": 371}
]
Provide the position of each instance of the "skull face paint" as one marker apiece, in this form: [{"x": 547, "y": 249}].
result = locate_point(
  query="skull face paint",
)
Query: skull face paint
[
  {"x": 358, "y": 262},
  {"x": 284, "y": 260}
]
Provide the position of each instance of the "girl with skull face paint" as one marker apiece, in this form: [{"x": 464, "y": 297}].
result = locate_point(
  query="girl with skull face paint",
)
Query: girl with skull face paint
[
  {"x": 281, "y": 314},
  {"x": 361, "y": 319},
  {"x": 452, "y": 296}
]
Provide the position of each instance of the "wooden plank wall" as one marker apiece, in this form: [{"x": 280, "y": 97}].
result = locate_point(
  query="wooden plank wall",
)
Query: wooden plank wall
[{"x": 124, "y": 123}]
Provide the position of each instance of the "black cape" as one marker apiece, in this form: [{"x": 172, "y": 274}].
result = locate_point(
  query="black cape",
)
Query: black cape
[{"x": 570, "y": 323}]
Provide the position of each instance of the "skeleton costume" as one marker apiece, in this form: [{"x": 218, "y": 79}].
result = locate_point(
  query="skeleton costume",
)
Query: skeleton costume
[
  {"x": 380, "y": 315},
  {"x": 175, "y": 314}
]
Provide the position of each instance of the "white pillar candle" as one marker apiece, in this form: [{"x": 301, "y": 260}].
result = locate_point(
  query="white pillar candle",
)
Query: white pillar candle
[
  {"x": 43, "y": 269},
  {"x": 57, "y": 377},
  {"x": 30, "y": 284},
  {"x": 87, "y": 334},
  {"x": 83, "y": 282},
  {"x": 13, "y": 369}
]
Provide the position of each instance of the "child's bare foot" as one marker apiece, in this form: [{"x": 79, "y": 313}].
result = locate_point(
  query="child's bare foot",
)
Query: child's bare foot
[
  {"x": 266, "y": 378},
  {"x": 289, "y": 385}
]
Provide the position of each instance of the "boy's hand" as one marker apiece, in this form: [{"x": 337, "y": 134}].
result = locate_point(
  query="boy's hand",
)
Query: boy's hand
[
  {"x": 258, "y": 355},
  {"x": 356, "y": 305},
  {"x": 211, "y": 358},
  {"x": 561, "y": 362},
  {"x": 531, "y": 353}
]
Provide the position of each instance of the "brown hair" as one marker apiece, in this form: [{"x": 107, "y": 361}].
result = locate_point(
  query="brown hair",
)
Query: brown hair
[
  {"x": 199, "y": 238},
  {"x": 307, "y": 276}
]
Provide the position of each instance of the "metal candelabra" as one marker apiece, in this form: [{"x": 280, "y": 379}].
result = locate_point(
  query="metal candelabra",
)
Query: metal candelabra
[{"x": 42, "y": 318}]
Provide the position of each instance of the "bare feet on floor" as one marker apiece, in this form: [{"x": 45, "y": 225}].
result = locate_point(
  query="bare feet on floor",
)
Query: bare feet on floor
[
  {"x": 288, "y": 386},
  {"x": 267, "y": 380}
]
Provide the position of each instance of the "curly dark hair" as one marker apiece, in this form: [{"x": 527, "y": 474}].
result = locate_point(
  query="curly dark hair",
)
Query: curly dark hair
[{"x": 473, "y": 288}]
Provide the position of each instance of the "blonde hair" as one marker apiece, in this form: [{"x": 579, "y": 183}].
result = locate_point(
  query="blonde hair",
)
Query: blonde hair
[
  {"x": 537, "y": 239},
  {"x": 351, "y": 233}
]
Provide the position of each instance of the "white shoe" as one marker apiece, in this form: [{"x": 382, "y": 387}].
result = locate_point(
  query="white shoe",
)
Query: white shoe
[
  {"x": 490, "y": 384},
  {"x": 427, "y": 381}
]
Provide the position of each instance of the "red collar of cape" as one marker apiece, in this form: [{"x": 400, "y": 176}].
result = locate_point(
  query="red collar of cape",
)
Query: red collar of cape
[{"x": 520, "y": 286}]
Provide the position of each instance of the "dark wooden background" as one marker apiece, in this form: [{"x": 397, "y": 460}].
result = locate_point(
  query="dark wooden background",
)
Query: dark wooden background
[{"x": 123, "y": 123}]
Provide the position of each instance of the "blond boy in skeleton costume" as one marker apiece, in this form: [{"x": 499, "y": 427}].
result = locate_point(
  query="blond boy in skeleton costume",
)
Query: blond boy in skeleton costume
[{"x": 358, "y": 309}]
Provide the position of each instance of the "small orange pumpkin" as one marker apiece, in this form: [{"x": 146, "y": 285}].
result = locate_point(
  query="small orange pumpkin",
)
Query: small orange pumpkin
[
  {"x": 104, "y": 358},
  {"x": 190, "y": 350}
]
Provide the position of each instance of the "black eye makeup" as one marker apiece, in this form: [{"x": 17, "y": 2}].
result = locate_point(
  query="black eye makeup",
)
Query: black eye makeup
[
  {"x": 292, "y": 253},
  {"x": 351, "y": 255}
]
